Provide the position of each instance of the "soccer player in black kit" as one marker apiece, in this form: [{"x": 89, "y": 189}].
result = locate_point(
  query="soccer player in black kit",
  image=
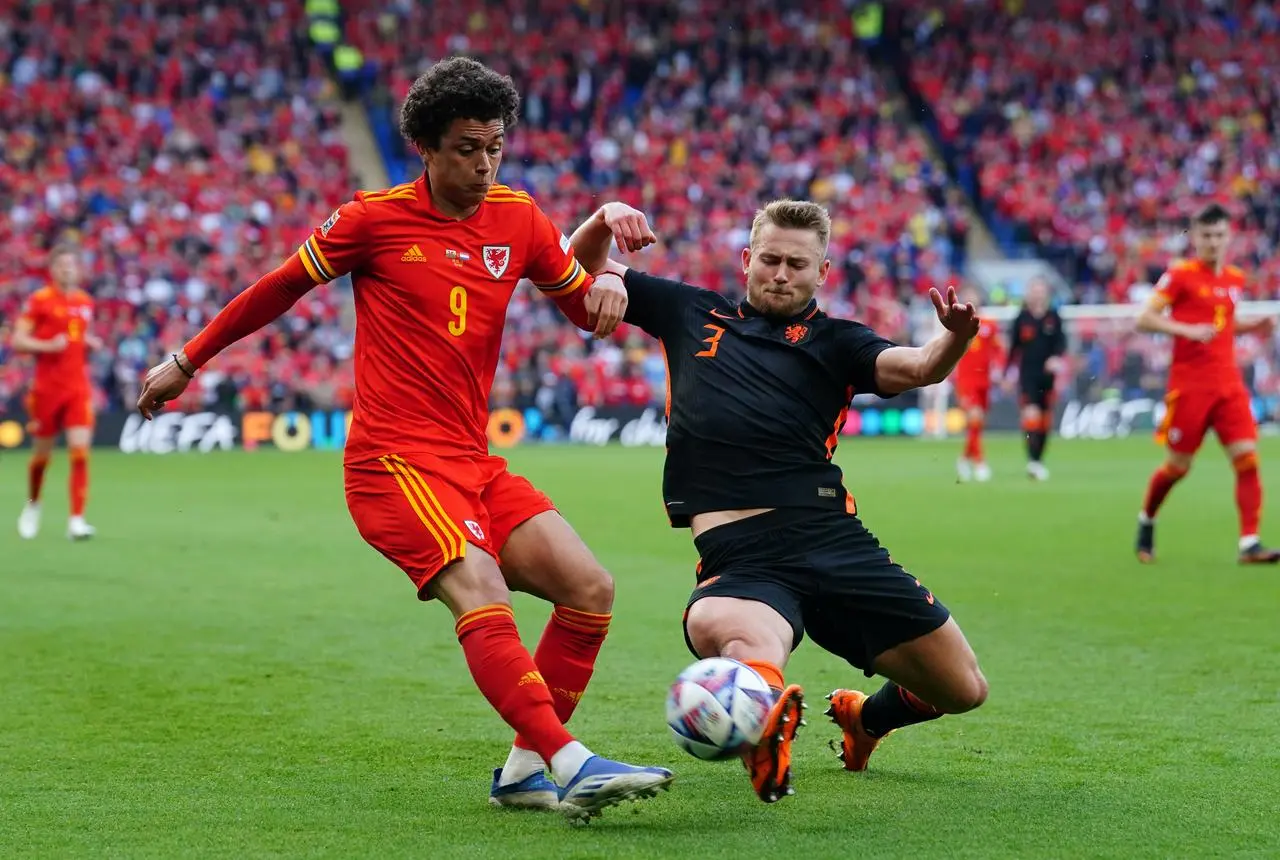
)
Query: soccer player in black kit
[
  {"x": 758, "y": 392},
  {"x": 1036, "y": 345}
]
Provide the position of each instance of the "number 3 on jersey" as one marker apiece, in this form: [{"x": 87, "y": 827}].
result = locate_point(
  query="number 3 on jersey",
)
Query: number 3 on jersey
[
  {"x": 458, "y": 306},
  {"x": 712, "y": 342},
  {"x": 1219, "y": 317}
]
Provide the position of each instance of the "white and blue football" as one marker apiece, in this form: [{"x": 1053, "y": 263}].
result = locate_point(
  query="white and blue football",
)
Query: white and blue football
[{"x": 717, "y": 707}]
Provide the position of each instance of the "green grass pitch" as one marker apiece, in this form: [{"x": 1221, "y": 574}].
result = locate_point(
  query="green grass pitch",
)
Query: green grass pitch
[{"x": 228, "y": 671}]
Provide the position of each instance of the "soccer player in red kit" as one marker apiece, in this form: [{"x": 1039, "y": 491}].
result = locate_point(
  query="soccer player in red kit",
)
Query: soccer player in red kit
[
  {"x": 434, "y": 264},
  {"x": 1206, "y": 389},
  {"x": 54, "y": 327},
  {"x": 973, "y": 391}
]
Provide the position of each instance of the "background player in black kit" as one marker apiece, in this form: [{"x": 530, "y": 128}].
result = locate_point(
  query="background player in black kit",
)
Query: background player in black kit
[
  {"x": 1036, "y": 345},
  {"x": 758, "y": 392}
]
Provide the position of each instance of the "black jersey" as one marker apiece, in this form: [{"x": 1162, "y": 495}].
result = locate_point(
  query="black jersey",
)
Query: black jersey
[
  {"x": 754, "y": 404},
  {"x": 1034, "y": 340}
]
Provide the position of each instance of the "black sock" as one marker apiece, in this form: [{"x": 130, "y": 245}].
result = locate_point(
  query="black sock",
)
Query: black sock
[
  {"x": 1036, "y": 440},
  {"x": 891, "y": 707}
]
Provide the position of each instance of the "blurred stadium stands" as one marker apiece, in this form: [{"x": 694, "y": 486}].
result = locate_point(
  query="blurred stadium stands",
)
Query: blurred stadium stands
[{"x": 192, "y": 145}]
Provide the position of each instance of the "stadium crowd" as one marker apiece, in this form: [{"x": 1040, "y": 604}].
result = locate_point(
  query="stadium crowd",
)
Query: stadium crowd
[
  {"x": 1096, "y": 128},
  {"x": 189, "y": 146}
]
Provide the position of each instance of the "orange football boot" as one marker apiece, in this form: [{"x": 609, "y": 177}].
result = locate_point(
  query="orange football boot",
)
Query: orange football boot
[
  {"x": 769, "y": 762},
  {"x": 846, "y": 712}
]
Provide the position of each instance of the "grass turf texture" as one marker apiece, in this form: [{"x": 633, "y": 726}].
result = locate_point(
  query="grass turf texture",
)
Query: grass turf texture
[{"x": 229, "y": 671}]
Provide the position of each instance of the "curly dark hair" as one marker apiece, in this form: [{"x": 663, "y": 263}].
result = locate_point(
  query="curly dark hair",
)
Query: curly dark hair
[{"x": 456, "y": 88}]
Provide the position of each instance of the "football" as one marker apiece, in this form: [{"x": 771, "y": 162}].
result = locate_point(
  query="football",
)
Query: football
[{"x": 716, "y": 708}]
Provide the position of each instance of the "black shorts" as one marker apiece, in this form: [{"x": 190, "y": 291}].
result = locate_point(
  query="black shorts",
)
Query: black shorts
[
  {"x": 1037, "y": 390},
  {"x": 823, "y": 572}
]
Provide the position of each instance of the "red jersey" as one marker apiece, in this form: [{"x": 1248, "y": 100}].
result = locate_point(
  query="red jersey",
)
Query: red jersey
[
  {"x": 431, "y": 296},
  {"x": 1195, "y": 294},
  {"x": 984, "y": 353},
  {"x": 50, "y": 312}
]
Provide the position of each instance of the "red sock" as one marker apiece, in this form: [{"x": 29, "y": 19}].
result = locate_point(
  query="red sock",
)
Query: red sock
[
  {"x": 566, "y": 657},
  {"x": 1248, "y": 493},
  {"x": 772, "y": 674},
  {"x": 35, "y": 476},
  {"x": 509, "y": 679},
  {"x": 1162, "y": 482},
  {"x": 973, "y": 441},
  {"x": 79, "y": 480}
]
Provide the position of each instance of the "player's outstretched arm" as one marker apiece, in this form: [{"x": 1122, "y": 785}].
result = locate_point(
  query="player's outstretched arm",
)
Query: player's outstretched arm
[
  {"x": 1264, "y": 326},
  {"x": 265, "y": 301},
  {"x": 901, "y": 368},
  {"x": 612, "y": 223},
  {"x": 1153, "y": 320}
]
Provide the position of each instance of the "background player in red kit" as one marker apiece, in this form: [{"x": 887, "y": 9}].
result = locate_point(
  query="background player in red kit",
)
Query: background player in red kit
[
  {"x": 1206, "y": 388},
  {"x": 434, "y": 264},
  {"x": 984, "y": 357},
  {"x": 54, "y": 327}
]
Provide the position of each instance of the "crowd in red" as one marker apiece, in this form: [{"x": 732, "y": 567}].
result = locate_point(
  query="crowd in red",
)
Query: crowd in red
[
  {"x": 187, "y": 147},
  {"x": 1098, "y": 127},
  {"x": 190, "y": 146},
  {"x": 696, "y": 113}
]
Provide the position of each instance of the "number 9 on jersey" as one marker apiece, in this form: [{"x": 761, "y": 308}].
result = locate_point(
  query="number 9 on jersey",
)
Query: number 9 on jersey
[{"x": 458, "y": 306}]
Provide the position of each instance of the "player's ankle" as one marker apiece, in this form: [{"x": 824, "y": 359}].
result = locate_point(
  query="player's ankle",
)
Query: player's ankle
[
  {"x": 568, "y": 760},
  {"x": 521, "y": 764},
  {"x": 1247, "y": 541}
]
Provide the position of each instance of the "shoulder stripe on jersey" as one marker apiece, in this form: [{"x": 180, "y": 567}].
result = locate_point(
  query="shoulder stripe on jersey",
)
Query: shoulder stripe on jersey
[
  {"x": 397, "y": 195},
  {"x": 322, "y": 264},
  {"x": 527, "y": 201},
  {"x": 577, "y": 278},
  {"x": 395, "y": 189}
]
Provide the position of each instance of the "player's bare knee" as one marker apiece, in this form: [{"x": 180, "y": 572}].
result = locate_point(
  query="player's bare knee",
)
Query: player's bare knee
[
  {"x": 1179, "y": 462},
  {"x": 1239, "y": 449},
  {"x": 717, "y": 627},
  {"x": 593, "y": 592},
  {"x": 469, "y": 583},
  {"x": 970, "y": 693}
]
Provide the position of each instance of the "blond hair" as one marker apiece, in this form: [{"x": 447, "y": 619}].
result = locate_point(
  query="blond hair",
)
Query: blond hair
[{"x": 794, "y": 215}]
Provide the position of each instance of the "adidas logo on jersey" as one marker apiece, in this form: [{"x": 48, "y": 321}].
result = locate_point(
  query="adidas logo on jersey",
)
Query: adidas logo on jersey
[
  {"x": 531, "y": 678},
  {"x": 413, "y": 255}
]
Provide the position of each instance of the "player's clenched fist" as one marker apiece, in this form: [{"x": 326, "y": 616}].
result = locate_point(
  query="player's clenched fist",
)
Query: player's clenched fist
[
  {"x": 164, "y": 382},
  {"x": 629, "y": 226},
  {"x": 955, "y": 317},
  {"x": 606, "y": 303}
]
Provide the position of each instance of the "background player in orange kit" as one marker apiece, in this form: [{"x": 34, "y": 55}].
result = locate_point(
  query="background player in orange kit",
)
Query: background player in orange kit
[
  {"x": 434, "y": 264},
  {"x": 54, "y": 327},
  {"x": 1206, "y": 388},
  {"x": 984, "y": 357}
]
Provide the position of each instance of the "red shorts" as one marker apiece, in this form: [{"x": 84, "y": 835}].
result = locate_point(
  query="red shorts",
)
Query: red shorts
[
  {"x": 1189, "y": 415},
  {"x": 51, "y": 412},
  {"x": 973, "y": 396},
  {"x": 421, "y": 511}
]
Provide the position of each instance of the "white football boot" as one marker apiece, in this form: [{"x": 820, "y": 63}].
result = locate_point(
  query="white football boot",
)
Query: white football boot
[{"x": 29, "y": 521}]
